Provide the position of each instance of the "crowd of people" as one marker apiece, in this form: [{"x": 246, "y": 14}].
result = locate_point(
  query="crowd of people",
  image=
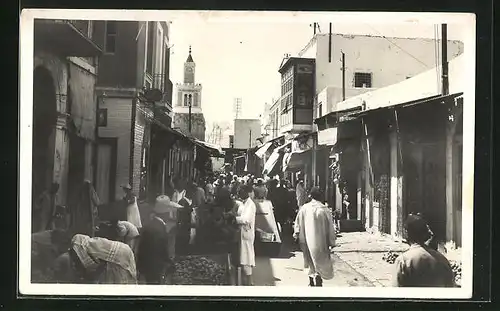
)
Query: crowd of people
[{"x": 223, "y": 210}]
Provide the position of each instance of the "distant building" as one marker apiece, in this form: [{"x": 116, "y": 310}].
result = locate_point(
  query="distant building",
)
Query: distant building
[
  {"x": 187, "y": 110},
  {"x": 246, "y": 132}
]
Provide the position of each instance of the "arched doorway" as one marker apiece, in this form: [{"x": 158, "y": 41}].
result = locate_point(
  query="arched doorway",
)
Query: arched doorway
[{"x": 44, "y": 121}]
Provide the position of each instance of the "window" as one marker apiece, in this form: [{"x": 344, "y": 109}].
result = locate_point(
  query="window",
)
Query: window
[
  {"x": 110, "y": 40},
  {"x": 188, "y": 99},
  {"x": 320, "y": 110},
  {"x": 362, "y": 79},
  {"x": 149, "y": 60}
]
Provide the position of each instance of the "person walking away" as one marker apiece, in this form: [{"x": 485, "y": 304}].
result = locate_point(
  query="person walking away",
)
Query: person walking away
[
  {"x": 245, "y": 218},
  {"x": 420, "y": 265},
  {"x": 101, "y": 261},
  {"x": 156, "y": 250},
  {"x": 199, "y": 202},
  {"x": 83, "y": 211},
  {"x": 265, "y": 222},
  {"x": 300, "y": 191},
  {"x": 261, "y": 188},
  {"x": 315, "y": 232},
  {"x": 133, "y": 214},
  {"x": 209, "y": 191},
  {"x": 45, "y": 208}
]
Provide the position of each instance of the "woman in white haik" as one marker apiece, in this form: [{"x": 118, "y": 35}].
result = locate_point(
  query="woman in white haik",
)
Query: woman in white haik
[
  {"x": 245, "y": 218},
  {"x": 133, "y": 214}
]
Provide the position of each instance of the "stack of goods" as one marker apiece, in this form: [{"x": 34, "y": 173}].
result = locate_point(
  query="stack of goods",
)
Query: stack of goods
[
  {"x": 390, "y": 257},
  {"x": 457, "y": 272},
  {"x": 199, "y": 270}
]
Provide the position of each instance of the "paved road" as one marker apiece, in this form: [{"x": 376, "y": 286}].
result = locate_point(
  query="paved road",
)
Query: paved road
[{"x": 288, "y": 271}]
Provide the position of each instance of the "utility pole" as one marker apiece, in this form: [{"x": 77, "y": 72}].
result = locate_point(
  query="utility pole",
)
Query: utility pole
[
  {"x": 444, "y": 59},
  {"x": 188, "y": 99},
  {"x": 343, "y": 75},
  {"x": 330, "y": 44},
  {"x": 250, "y": 140}
]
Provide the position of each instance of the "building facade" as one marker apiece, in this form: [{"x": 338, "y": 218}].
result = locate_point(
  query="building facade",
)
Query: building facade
[
  {"x": 297, "y": 95},
  {"x": 246, "y": 133},
  {"x": 64, "y": 106},
  {"x": 369, "y": 63},
  {"x": 125, "y": 115},
  {"x": 399, "y": 150},
  {"x": 188, "y": 114}
]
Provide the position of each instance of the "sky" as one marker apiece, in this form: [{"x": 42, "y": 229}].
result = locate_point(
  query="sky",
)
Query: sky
[{"x": 241, "y": 59}]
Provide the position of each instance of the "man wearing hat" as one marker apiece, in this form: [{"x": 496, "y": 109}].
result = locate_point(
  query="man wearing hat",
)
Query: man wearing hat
[
  {"x": 156, "y": 249},
  {"x": 420, "y": 265},
  {"x": 133, "y": 214}
]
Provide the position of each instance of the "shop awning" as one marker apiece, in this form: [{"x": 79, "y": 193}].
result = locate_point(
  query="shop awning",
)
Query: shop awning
[
  {"x": 271, "y": 163},
  {"x": 214, "y": 150},
  {"x": 262, "y": 150},
  {"x": 296, "y": 160}
]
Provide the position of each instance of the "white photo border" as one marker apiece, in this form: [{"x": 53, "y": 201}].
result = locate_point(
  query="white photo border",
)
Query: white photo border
[{"x": 26, "y": 115}]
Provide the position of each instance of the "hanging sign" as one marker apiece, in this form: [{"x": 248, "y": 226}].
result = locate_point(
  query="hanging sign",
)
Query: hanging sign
[{"x": 328, "y": 137}]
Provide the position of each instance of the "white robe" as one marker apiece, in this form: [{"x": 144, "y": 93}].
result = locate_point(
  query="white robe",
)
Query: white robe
[
  {"x": 246, "y": 220},
  {"x": 316, "y": 232},
  {"x": 133, "y": 214}
]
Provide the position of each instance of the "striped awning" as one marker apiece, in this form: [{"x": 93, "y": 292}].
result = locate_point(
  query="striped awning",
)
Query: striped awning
[{"x": 262, "y": 150}]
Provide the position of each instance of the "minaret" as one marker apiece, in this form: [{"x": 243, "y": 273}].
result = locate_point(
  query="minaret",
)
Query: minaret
[
  {"x": 189, "y": 68},
  {"x": 187, "y": 109}
]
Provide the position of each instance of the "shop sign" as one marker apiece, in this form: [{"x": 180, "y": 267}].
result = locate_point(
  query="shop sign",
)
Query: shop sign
[{"x": 327, "y": 137}]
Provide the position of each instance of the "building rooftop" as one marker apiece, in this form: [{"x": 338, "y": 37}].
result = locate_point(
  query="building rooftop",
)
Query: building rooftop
[
  {"x": 350, "y": 36},
  {"x": 287, "y": 62}
]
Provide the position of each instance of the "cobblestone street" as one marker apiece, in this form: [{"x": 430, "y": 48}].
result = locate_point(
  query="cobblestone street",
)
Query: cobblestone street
[
  {"x": 288, "y": 271},
  {"x": 363, "y": 252}
]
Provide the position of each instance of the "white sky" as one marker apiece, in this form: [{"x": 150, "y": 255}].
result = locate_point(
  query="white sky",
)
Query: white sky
[{"x": 241, "y": 59}]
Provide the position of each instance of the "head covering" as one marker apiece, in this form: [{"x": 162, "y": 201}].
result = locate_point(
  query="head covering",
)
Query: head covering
[
  {"x": 91, "y": 251},
  {"x": 316, "y": 193},
  {"x": 417, "y": 228},
  {"x": 260, "y": 193},
  {"x": 127, "y": 186}
]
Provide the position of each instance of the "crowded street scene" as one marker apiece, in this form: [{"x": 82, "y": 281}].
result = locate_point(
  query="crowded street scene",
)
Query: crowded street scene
[{"x": 328, "y": 158}]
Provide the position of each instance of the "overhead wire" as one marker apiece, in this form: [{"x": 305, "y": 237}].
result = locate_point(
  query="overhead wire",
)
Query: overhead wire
[{"x": 399, "y": 47}]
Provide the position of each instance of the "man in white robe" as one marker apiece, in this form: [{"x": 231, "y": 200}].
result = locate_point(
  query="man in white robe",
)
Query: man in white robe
[
  {"x": 245, "y": 218},
  {"x": 315, "y": 230}
]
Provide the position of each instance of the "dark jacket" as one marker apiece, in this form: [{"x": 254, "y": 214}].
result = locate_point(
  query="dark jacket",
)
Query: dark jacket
[{"x": 152, "y": 254}]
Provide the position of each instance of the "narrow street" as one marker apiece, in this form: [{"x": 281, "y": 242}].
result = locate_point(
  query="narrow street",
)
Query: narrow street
[{"x": 288, "y": 271}]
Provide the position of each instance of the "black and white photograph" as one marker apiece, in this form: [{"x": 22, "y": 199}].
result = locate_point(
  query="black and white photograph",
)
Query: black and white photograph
[{"x": 246, "y": 154}]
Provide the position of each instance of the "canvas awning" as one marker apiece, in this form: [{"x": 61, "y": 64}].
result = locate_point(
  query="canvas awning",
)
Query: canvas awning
[
  {"x": 214, "y": 150},
  {"x": 296, "y": 160},
  {"x": 328, "y": 137},
  {"x": 262, "y": 150},
  {"x": 271, "y": 163}
]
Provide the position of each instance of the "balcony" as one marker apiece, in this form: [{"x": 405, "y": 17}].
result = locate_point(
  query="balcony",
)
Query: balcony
[
  {"x": 160, "y": 87},
  {"x": 66, "y": 37}
]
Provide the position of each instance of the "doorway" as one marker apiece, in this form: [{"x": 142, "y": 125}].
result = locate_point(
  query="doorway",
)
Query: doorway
[
  {"x": 106, "y": 169},
  {"x": 44, "y": 124},
  {"x": 76, "y": 170}
]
